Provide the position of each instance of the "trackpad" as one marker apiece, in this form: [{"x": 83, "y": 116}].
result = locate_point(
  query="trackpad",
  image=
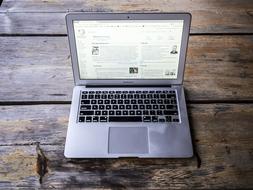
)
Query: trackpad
[{"x": 128, "y": 140}]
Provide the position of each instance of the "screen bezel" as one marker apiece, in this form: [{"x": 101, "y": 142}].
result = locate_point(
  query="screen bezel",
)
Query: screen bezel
[{"x": 186, "y": 17}]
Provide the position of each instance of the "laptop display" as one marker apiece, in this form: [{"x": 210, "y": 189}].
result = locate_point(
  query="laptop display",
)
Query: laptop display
[{"x": 127, "y": 49}]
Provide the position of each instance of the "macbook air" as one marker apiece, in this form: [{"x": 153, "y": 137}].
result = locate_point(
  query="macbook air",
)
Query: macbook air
[{"x": 128, "y": 99}]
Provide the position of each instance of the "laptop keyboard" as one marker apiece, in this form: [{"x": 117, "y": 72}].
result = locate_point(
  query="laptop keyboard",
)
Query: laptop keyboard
[{"x": 128, "y": 106}]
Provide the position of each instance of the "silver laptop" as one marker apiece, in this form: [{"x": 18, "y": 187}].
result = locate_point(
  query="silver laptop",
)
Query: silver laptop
[{"x": 128, "y": 99}]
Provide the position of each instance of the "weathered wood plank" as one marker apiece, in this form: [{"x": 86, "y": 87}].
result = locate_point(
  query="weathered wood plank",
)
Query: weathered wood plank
[
  {"x": 221, "y": 133},
  {"x": 39, "y": 68},
  {"x": 28, "y": 16},
  {"x": 18, "y": 167}
]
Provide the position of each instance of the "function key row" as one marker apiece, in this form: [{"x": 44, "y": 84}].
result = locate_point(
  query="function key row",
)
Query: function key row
[
  {"x": 128, "y": 92},
  {"x": 128, "y": 96}
]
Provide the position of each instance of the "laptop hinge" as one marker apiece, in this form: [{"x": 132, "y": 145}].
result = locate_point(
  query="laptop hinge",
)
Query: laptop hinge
[{"x": 120, "y": 86}]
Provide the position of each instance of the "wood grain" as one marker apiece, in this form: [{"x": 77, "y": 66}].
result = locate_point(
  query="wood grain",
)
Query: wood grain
[
  {"x": 226, "y": 161},
  {"x": 39, "y": 68},
  {"x": 47, "y": 17}
]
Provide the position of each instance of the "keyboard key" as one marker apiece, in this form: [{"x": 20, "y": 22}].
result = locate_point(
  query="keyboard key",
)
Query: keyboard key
[
  {"x": 140, "y": 101},
  {"x": 128, "y": 107},
  {"x": 95, "y": 119},
  {"x": 115, "y": 107},
  {"x": 88, "y": 119},
  {"x": 148, "y": 107},
  {"x": 138, "y": 112},
  {"x": 86, "y": 112},
  {"x": 126, "y": 101},
  {"x": 147, "y": 119},
  {"x": 145, "y": 112},
  {"x": 85, "y": 102},
  {"x": 97, "y": 112},
  {"x": 152, "y": 112},
  {"x": 81, "y": 119},
  {"x": 154, "y": 119},
  {"x": 93, "y": 101},
  {"x": 104, "y": 112},
  {"x": 175, "y": 120},
  {"x": 155, "y": 107},
  {"x": 111, "y": 112},
  {"x": 132, "y": 112},
  {"x": 118, "y": 112},
  {"x": 133, "y": 101},
  {"x": 103, "y": 118},
  {"x": 168, "y": 118},
  {"x": 85, "y": 107},
  {"x": 125, "y": 112},
  {"x": 125, "y": 118},
  {"x": 167, "y": 112},
  {"x": 121, "y": 107},
  {"x": 135, "y": 107},
  {"x": 101, "y": 107},
  {"x": 94, "y": 107},
  {"x": 108, "y": 107}
]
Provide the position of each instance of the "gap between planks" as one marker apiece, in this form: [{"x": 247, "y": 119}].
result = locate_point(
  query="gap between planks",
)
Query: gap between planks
[{"x": 28, "y": 103}]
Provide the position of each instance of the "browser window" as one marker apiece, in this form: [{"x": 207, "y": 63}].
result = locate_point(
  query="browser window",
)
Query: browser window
[{"x": 137, "y": 49}]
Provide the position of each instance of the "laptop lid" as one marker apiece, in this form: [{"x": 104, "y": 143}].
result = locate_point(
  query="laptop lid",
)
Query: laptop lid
[{"x": 128, "y": 49}]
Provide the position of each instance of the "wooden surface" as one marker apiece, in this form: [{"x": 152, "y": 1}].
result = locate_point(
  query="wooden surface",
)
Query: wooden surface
[{"x": 36, "y": 85}]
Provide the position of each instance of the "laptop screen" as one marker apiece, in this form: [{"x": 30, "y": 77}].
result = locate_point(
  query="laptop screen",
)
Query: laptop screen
[{"x": 128, "y": 49}]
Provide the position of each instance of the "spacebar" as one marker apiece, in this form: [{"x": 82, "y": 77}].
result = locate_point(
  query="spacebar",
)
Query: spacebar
[{"x": 125, "y": 118}]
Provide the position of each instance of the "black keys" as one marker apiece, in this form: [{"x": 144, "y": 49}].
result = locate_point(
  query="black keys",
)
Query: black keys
[
  {"x": 94, "y": 107},
  {"x": 93, "y": 102},
  {"x": 103, "y": 119},
  {"x": 138, "y": 112},
  {"x": 97, "y": 112},
  {"x": 108, "y": 107},
  {"x": 88, "y": 119},
  {"x": 85, "y": 107},
  {"x": 95, "y": 119},
  {"x": 111, "y": 112},
  {"x": 125, "y": 118},
  {"x": 101, "y": 107},
  {"x": 81, "y": 119},
  {"x": 135, "y": 106},
  {"x": 118, "y": 112},
  {"x": 147, "y": 118},
  {"x": 128, "y": 107},
  {"x": 132, "y": 112},
  {"x": 104, "y": 112},
  {"x": 100, "y": 101},
  {"x": 85, "y": 101},
  {"x": 167, "y": 112},
  {"x": 115, "y": 107},
  {"x": 86, "y": 112},
  {"x": 154, "y": 119},
  {"x": 121, "y": 107}
]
